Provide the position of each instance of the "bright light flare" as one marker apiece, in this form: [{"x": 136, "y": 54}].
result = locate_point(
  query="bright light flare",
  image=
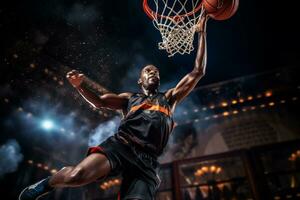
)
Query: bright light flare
[{"x": 47, "y": 124}]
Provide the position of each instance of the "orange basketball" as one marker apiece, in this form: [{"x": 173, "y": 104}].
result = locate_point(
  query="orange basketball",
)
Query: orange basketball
[{"x": 221, "y": 9}]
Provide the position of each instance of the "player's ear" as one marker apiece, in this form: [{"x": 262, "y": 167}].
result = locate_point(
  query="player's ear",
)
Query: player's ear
[{"x": 140, "y": 81}]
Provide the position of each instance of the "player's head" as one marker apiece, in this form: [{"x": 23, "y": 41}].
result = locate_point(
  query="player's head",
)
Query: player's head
[{"x": 149, "y": 78}]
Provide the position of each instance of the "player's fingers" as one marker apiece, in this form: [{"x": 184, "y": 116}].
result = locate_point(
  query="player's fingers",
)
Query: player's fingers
[
  {"x": 73, "y": 73},
  {"x": 70, "y": 76},
  {"x": 70, "y": 73}
]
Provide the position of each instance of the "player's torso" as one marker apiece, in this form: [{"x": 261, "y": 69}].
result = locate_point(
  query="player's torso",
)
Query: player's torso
[{"x": 148, "y": 122}]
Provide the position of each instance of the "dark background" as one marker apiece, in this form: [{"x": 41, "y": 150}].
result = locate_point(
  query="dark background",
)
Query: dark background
[{"x": 87, "y": 35}]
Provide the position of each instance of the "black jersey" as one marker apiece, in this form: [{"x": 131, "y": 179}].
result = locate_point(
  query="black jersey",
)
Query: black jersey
[{"x": 148, "y": 123}]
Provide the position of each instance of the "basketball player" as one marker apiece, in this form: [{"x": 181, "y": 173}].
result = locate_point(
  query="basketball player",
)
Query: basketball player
[{"x": 142, "y": 135}]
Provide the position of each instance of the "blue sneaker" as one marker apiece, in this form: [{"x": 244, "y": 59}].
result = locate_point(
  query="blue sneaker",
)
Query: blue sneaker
[{"x": 35, "y": 191}]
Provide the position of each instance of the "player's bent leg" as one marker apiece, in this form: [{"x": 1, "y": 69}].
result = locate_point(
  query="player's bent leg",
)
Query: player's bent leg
[{"x": 91, "y": 168}]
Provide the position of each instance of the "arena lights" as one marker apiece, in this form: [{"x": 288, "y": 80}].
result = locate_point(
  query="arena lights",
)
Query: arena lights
[
  {"x": 271, "y": 104},
  {"x": 234, "y": 102},
  {"x": 213, "y": 169},
  {"x": 250, "y": 108},
  {"x": 233, "y": 112},
  {"x": 224, "y": 104},
  {"x": 215, "y": 116},
  {"x": 282, "y": 101},
  {"x": 241, "y": 100},
  {"x": 225, "y": 114},
  {"x": 249, "y": 98},
  {"x": 28, "y": 114},
  {"x": 109, "y": 184},
  {"x": 294, "y": 156},
  {"x": 212, "y": 106},
  {"x": 32, "y": 65},
  {"x": 42, "y": 166},
  {"x": 268, "y": 93},
  {"x": 55, "y": 78},
  {"x": 47, "y": 124}
]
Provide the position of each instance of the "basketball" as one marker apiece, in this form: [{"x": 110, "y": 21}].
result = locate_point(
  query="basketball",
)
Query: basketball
[{"x": 221, "y": 9}]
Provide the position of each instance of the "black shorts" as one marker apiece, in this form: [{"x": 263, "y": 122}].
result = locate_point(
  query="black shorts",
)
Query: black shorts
[{"x": 138, "y": 169}]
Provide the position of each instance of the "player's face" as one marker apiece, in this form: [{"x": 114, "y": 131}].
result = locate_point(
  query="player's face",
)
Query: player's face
[{"x": 150, "y": 77}]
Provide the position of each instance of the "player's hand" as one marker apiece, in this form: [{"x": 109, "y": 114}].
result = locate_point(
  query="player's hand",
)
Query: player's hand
[
  {"x": 75, "y": 78},
  {"x": 201, "y": 25}
]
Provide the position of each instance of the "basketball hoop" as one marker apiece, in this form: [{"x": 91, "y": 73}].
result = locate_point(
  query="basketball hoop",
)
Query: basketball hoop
[{"x": 175, "y": 20}]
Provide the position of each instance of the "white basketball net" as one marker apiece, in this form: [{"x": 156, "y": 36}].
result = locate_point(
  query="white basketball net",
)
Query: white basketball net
[{"x": 176, "y": 27}]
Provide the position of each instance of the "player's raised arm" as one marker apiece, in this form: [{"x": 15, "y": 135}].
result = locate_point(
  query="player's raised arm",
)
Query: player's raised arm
[
  {"x": 107, "y": 100},
  {"x": 188, "y": 82}
]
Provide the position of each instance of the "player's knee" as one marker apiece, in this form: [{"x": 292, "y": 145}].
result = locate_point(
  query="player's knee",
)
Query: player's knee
[{"x": 76, "y": 176}]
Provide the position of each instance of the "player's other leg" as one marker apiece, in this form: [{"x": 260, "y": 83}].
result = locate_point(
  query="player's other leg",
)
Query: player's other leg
[{"x": 93, "y": 167}]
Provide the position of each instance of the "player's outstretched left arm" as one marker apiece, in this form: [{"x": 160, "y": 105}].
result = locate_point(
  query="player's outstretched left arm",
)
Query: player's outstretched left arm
[{"x": 188, "y": 83}]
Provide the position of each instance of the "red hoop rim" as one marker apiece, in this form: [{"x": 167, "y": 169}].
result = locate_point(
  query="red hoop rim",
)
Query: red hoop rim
[{"x": 152, "y": 15}]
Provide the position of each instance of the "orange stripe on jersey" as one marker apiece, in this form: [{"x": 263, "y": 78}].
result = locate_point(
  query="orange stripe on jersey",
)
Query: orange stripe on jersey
[{"x": 147, "y": 106}]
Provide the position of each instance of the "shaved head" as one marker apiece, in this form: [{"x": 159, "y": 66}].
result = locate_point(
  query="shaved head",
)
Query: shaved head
[
  {"x": 148, "y": 67},
  {"x": 149, "y": 77}
]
